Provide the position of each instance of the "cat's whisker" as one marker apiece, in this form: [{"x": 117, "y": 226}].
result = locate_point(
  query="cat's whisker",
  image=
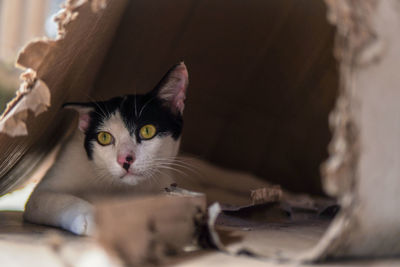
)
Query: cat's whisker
[
  {"x": 172, "y": 169},
  {"x": 136, "y": 114},
  {"x": 185, "y": 168},
  {"x": 167, "y": 163},
  {"x": 183, "y": 165},
  {"x": 92, "y": 100},
  {"x": 145, "y": 104},
  {"x": 187, "y": 174},
  {"x": 151, "y": 176},
  {"x": 178, "y": 159},
  {"x": 177, "y": 162}
]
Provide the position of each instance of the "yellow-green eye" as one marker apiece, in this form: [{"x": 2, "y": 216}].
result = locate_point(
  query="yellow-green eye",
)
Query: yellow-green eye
[
  {"x": 147, "y": 131},
  {"x": 104, "y": 138}
]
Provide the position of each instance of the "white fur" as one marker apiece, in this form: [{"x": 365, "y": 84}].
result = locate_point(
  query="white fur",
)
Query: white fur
[{"x": 62, "y": 198}]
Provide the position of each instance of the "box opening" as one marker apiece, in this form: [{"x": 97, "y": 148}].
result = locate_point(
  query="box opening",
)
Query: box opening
[{"x": 263, "y": 80}]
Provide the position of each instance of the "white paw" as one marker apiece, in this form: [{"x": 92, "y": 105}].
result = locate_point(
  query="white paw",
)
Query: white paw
[{"x": 83, "y": 224}]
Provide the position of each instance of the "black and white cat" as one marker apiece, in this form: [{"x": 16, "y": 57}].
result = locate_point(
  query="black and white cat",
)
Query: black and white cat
[{"x": 124, "y": 143}]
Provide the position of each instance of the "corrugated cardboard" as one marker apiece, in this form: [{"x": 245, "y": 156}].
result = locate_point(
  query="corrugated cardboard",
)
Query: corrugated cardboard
[{"x": 263, "y": 81}]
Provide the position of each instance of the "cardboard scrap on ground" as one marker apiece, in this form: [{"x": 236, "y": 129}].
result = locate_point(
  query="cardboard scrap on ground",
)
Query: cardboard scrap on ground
[
  {"x": 276, "y": 220},
  {"x": 266, "y": 194},
  {"x": 147, "y": 229}
]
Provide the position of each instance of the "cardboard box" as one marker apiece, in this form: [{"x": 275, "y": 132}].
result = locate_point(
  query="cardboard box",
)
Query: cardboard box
[{"x": 264, "y": 83}]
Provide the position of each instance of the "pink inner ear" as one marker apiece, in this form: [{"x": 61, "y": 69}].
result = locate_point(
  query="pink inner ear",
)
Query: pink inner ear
[
  {"x": 84, "y": 120},
  {"x": 176, "y": 87},
  {"x": 179, "y": 100}
]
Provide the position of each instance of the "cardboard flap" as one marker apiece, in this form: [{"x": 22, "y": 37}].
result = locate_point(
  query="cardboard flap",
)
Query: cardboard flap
[{"x": 59, "y": 70}]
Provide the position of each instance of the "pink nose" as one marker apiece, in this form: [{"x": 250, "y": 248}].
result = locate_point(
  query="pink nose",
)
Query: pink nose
[{"x": 125, "y": 160}]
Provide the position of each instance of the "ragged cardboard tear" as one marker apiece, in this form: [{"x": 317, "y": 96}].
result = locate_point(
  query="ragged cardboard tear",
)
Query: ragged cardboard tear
[
  {"x": 35, "y": 100},
  {"x": 67, "y": 67},
  {"x": 147, "y": 229}
]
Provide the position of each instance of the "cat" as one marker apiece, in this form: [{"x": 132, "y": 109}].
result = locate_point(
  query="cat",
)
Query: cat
[{"x": 123, "y": 144}]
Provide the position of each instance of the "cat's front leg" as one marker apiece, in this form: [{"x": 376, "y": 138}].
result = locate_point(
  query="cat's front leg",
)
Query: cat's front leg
[{"x": 61, "y": 210}]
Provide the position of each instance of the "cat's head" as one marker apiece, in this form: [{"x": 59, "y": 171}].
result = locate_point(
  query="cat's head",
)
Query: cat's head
[{"x": 134, "y": 137}]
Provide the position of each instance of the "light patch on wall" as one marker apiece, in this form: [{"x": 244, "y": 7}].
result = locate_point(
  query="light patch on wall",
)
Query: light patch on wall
[{"x": 17, "y": 199}]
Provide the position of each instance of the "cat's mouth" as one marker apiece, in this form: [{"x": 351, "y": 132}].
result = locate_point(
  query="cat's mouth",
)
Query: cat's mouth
[
  {"x": 130, "y": 173},
  {"x": 127, "y": 174},
  {"x": 133, "y": 177}
]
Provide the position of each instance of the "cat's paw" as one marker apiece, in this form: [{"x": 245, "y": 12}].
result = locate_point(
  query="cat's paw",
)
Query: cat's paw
[{"x": 83, "y": 224}]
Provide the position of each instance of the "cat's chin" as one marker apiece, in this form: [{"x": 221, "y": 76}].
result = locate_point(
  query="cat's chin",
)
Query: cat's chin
[{"x": 132, "y": 179}]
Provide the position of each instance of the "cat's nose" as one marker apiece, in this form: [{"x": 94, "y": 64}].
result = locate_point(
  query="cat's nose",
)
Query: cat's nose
[{"x": 125, "y": 160}]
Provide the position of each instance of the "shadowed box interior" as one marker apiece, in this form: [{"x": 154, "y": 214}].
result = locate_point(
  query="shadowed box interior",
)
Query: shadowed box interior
[{"x": 263, "y": 80}]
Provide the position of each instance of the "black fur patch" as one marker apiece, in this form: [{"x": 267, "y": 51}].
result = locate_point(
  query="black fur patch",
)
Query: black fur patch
[{"x": 136, "y": 111}]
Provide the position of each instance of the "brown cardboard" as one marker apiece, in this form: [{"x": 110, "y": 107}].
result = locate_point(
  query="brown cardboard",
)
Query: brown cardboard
[
  {"x": 363, "y": 169},
  {"x": 13, "y": 122},
  {"x": 68, "y": 67},
  {"x": 259, "y": 69},
  {"x": 150, "y": 228}
]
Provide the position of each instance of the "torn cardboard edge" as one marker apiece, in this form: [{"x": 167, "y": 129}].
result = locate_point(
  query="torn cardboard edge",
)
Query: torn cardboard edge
[
  {"x": 170, "y": 224},
  {"x": 34, "y": 95},
  {"x": 68, "y": 13},
  {"x": 265, "y": 195},
  {"x": 68, "y": 68},
  {"x": 275, "y": 209},
  {"x": 158, "y": 226},
  {"x": 361, "y": 33}
]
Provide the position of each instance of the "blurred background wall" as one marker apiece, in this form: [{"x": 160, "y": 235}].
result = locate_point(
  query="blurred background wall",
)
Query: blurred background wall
[{"x": 20, "y": 22}]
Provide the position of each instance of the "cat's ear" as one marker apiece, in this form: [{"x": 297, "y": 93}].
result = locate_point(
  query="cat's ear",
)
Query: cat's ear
[
  {"x": 84, "y": 110},
  {"x": 172, "y": 88}
]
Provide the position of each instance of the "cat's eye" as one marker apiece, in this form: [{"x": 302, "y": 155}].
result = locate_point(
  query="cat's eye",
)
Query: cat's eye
[
  {"x": 104, "y": 138},
  {"x": 148, "y": 131}
]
